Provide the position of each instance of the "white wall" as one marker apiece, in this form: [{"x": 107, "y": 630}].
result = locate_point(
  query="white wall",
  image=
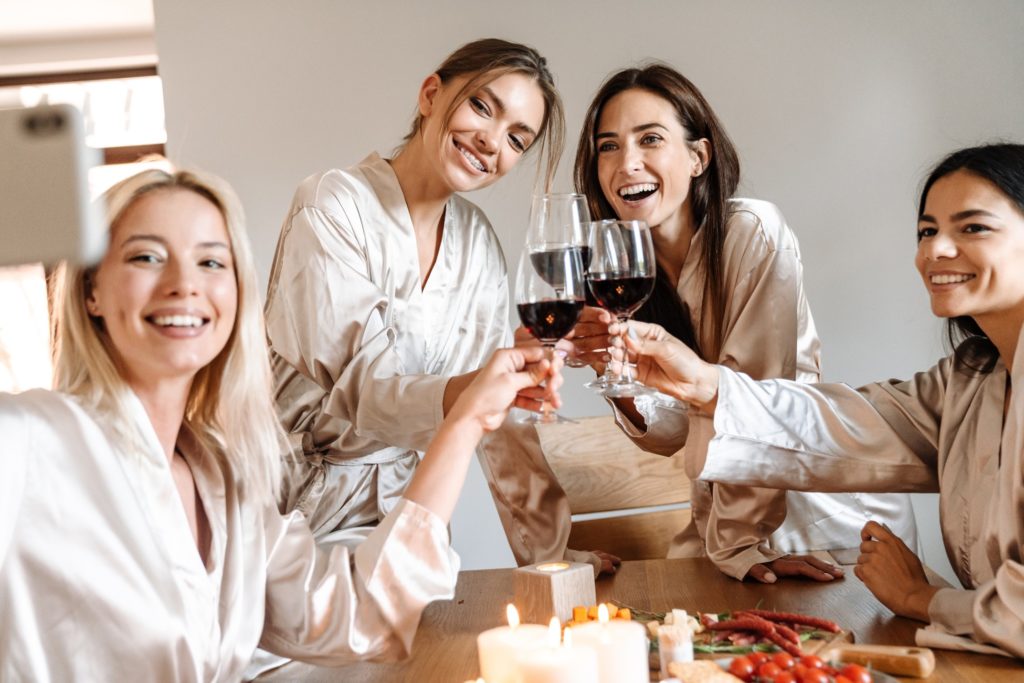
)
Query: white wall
[{"x": 837, "y": 108}]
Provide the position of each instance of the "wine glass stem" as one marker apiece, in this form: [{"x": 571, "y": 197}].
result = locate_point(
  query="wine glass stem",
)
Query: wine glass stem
[
  {"x": 625, "y": 377},
  {"x": 545, "y": 410}
]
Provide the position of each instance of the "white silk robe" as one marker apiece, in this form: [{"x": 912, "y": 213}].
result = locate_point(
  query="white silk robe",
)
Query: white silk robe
[
  {"x": 362, "y": 353},
  {"x": 941, "y": 431},
  {"x": 100, "y": 578},
  {"x": 768, "y": 332}
]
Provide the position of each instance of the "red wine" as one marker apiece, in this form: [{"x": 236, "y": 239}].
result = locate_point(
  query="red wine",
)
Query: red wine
[
  {"x": 550, "y": 319},
  {"x": 620, "y": 295}
]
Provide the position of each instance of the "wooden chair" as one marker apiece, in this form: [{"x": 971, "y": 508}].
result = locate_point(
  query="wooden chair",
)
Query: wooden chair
[{"x": 612, "y": 486}]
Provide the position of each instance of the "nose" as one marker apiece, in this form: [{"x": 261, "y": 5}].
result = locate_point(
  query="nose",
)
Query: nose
[
  {"x": 181, "y": 279},
  {"x": 487, "y": 139},
  {"x": 631, "y": 159},
  {"x": 937, "y": 247}
]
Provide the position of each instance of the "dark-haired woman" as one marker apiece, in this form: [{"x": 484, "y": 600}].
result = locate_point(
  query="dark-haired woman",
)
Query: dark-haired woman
[
  {"x": 730, "y": 283},
  {"x": 956, "y": 428},
  {"x": 388, "y": 291}
]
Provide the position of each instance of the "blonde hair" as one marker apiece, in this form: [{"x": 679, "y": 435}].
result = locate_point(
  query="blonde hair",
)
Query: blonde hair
[{"x": 229, "y": 408}]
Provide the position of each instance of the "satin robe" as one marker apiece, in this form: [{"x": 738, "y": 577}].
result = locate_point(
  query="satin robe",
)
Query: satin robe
[
  {"x": 941, "y": 431},
  {"x": 100, "y": 578},
  {"x": 767, "y": 331},
  {"x": 362, "y": 353}
]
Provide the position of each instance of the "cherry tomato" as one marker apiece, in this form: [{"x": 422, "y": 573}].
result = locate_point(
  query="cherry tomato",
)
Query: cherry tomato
[
  {"x": 812, "y": 662},
  {"x": 784, "y": 677},
  {"x": 784, "y": 660},
  {"x": 842, "y": 679},
  {"x": 799, "y": 670},
  {"x": 814, "y": 676},
  {"x": 768, "y": 670},
  {"x": 856, "y": 673},
  {"x": 742, "y": 667},
  {"x": 757, "y": 658}
]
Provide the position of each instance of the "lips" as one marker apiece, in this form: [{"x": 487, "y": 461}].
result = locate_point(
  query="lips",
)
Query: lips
[
  {"x": 637, "y": 191},
  {"x": 472, "y": 159}
]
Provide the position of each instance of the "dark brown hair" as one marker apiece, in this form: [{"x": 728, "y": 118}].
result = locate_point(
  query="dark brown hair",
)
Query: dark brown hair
[
  {"x": 709, "y": 193},
  {"x": 1001, "y": 164},
  {"x": 490, "y": 58}
]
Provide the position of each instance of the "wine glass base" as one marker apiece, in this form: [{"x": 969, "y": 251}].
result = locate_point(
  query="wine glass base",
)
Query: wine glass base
[{"x": 629, "y": 390}]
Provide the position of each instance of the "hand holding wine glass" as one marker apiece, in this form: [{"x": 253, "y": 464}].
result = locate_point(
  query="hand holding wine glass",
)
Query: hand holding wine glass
[
  {"x": 549, "y": 298},
  {"x": 621, "y": 278}
]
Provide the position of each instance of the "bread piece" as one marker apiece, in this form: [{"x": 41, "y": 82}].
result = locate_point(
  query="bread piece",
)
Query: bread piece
[{"x": 701, "y": 671}]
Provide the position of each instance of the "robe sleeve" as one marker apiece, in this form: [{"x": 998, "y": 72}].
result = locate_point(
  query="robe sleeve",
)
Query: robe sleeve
[
  {"x": 328, "y": 321},
  {"x": 824, "y": 437},
  {"x": 760, "y": 337},
  {"x": 13, "y": 469},
  {"x": 337, "y": 606}
]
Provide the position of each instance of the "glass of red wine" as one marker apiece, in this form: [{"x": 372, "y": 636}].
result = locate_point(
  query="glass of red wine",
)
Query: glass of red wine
[
  {"x": 558, "y": 222},
  {"x": 620, "y": 278},
  {"x": 549, "y": 297}
]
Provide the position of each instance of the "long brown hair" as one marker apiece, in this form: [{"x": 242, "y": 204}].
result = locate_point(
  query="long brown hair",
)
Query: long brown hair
[
  {"x": 490, "y": 58},
  {"x": 709, "y": 193}
]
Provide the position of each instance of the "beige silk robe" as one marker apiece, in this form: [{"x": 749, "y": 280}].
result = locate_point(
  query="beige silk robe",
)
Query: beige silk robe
[
  {"x": 100, "y": 578},
  {"x": 362, "y": 353},
  {"x": 941, "y": 431},
  {"x": 768, "y": 331}
]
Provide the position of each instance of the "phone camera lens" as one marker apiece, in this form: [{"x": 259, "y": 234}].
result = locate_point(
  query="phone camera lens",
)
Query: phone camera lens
[{"x": 44, "y": 123}]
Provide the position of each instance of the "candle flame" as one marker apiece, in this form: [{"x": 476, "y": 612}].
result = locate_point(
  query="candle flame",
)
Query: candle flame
[
  {"x": 602, "y": 613},
  {"x": 567, "y": 638},
  {"x": 552, "y": 566},
  {"x": 512, "y": 614},
  {"x": 554, "y": 632}
]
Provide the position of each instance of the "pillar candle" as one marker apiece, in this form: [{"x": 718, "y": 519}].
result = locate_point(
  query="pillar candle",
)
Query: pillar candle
[
  {"x": 554, "y": 663},
  {"x": 499, "y": 648},
  {"x": 621, "y": 646}
]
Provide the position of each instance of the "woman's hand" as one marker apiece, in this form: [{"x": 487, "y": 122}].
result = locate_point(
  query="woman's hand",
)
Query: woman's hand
[
  {"x": 590, "y": 339},
  {"x": 666, "y": 364},
  {"x": 795, "y": 565},
  {"x": 512, "y": 377},
  {"x": 893, "y": 572}
]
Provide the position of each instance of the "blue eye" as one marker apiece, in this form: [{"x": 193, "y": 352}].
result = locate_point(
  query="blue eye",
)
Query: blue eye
[{"x": 212, "y": 263}]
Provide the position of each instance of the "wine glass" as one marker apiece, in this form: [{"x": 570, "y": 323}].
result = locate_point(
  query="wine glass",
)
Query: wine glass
[
  {"x": 549, "y": 298},
  {"x": 621, "y": 278},
  {"x": 558, "y": 221}
]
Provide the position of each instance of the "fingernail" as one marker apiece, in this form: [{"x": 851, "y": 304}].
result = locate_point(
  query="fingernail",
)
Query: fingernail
[
  {"x": 632, "y": 333},
  {"x": 770, "y": 578}
]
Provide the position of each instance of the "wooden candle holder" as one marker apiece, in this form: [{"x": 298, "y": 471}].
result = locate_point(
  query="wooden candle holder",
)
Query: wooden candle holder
[{"x": 552, "y": 589}]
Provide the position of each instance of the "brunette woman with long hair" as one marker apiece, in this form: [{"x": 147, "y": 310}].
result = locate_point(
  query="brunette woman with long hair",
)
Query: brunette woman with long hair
[{"x": 730, "y": 284}]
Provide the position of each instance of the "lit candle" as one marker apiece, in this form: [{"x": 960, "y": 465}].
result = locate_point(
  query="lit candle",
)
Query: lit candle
[
  {"x": 557, "y": 663},
  {"x": 498, "y": 648},
  {"x": 621, "y": 648},
  {"x": 552, "y": 566}
]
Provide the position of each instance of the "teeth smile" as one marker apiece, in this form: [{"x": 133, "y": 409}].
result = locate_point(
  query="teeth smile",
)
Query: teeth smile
[
  {"x": 473, "y": 161},
  {"x": 632, "y": 193},
  {"x": 177, "y": 321},
  {"x": 949, "y": 279}
]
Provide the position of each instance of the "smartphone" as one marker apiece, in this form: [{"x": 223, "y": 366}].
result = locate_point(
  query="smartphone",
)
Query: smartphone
[{"x": 45, "y": 211}]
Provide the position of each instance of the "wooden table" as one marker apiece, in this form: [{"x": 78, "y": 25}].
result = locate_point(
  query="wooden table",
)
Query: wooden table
[{"x": 445, "y": 646}]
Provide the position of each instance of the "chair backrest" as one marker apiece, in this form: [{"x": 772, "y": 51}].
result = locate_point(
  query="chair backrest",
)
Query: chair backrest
[{"x": 602, "y": 471}]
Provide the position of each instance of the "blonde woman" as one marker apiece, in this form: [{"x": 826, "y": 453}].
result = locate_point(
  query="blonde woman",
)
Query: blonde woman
[{"x": 139, "y": 536}]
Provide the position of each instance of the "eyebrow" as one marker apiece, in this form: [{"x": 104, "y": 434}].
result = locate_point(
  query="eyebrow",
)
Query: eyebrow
[
  {"x": 959, "y": 215},
  {"x": 161, "y": 240},
  {"x": 500, "y": 106},
  {"x": 636, "y": 129}
]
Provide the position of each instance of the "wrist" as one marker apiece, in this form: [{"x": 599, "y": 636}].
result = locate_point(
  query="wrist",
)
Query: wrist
[
  {"x": 707, "y": 390},
  {"x": 918, "y": 602}
]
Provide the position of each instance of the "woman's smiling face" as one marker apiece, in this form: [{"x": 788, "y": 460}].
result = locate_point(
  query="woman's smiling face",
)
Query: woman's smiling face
[
  {"x": 166, "y": 290},
  {"x": 970, "y": 250},
  {"x": 488, "y": 133},
  {"x": 645, "y": 161}
]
